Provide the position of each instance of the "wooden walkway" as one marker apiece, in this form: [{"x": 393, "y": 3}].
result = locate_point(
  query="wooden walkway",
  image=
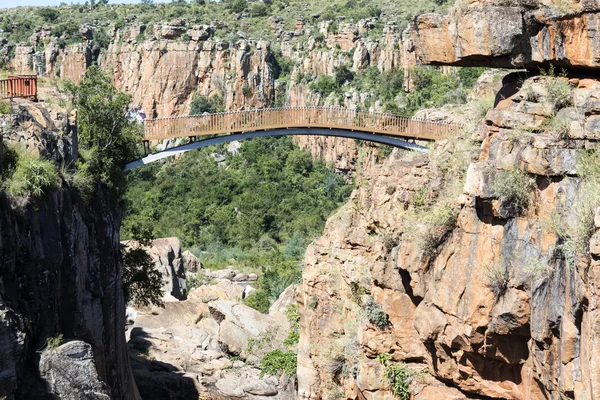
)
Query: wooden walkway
[
  {"x": 297, "y": 117},
  {"x": 19, "y": 86}
]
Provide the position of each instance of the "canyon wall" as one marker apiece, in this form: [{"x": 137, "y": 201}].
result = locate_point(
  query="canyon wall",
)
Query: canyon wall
[
  {"x": 522, "y": 34},
  {"x": 483, "y": 299},
  {"x": 60, "y": 274},
  {"x": 164, "y": 69}
]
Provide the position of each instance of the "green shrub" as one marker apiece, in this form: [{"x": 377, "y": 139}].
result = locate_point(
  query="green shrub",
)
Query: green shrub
[
  {"x": 557, "y": 86},
  {"x": 259, "y": 300},
  {"x": 376, "y": 315},
  {"x": 294, "y": 318},
  {"x": 574, "y": 238},
  {"x": 201, "y": 105},
  {"x": 497, "y": 278},
  {"x": 559, "y": 126},
  {"x": 436, "y": 223},
  {"x": 54, "y": 342},
  {"x": 515, "y": 188},
  {"x": 259, "y": 9},
  {"x": 397, "y": 375},
  {"x": 32, "y": 175},
  {"x": 324, "y": 85},
  {"x": 278, "y": 361},
  {"x": 559, "y": 92},
  {"x": 4, "y": 107},
  {"x": 343, "y": 75}
]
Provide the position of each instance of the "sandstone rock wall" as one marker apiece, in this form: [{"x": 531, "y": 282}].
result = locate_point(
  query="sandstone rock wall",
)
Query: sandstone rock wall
[
  {"x": 524, "y": 34},
  {"x": 60, "y": 274},
  {"x": 490, "y": 304},
  {"x": 54, "y": 62}
]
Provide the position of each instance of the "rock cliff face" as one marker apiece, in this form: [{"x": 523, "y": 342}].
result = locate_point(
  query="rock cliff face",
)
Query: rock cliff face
[
  {"x": 524, "y": 34},
  {"x": 163, "y": 72},
  {"x": 479, "y": 297},
  {"x": 60, "y": 274},
  {"x": 163, "y": 75}
]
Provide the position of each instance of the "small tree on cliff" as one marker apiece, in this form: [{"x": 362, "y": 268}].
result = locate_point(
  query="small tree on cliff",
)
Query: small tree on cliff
[{"x": 106, "y": 135}]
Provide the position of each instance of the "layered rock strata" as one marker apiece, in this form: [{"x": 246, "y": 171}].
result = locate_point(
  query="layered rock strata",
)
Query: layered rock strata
[
  {"x": 481, "y": 298},
  {"x": 524, "y": 34}
]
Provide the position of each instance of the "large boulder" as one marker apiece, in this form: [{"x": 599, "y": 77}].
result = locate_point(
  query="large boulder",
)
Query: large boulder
[
  {"x": 167, "y": 258},
  {"x": 70, "y": 372}
]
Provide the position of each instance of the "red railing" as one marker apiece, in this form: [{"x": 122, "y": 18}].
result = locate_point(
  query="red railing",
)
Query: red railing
[
  {"x": 297, "y": 117},
  {"x": 19, "y": 86}
]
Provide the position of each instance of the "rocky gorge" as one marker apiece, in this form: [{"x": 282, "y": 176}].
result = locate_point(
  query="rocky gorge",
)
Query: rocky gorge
[{"x": 465, "y": 273}]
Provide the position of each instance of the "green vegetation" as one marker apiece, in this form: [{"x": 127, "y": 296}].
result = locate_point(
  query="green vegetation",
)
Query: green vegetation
[
  {"x": 376, "y": 315},
  {"x": 107, "y": 138},
  {"x": 53, "y": 342},
  {"x": 294, "y": 318},
  {"x": 142, "y": 282},
  {"x": 398, "y": 376},
  {"x": 497, "y": 278},
  {"x": 430, "y": 88},
  {"x": 4, "y": 107},
  {"x": 514, "y": 188},
  {"x": 256, "y": 209},
  {"x": 574, "y": 238},
  {"x": 558, "y": 88},
  {"x": 201, "y": 105},
  {"x": 278, "y": 361},
  {"x": 19, "y": 23},
  {"x": 436, "y": 223},
  {"x": 27, "y": 174}
]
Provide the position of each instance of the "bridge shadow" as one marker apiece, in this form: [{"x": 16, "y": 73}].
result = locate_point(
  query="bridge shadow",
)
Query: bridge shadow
[{"x": 157, "y": 380}]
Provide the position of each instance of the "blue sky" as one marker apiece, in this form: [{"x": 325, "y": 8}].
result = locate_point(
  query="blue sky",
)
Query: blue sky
[{"x": 14, "y": 3}]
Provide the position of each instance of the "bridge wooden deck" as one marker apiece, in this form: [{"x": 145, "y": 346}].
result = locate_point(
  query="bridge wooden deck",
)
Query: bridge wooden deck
[
  {"x": 19, "y": 86},
  {"x": 298, "y": 117}
]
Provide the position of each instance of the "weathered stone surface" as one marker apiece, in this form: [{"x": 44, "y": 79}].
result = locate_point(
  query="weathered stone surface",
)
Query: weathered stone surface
[
  {"x": 167, "y": 258},
  {"x": 494, "y": 311},
  {"x": 182, "y": 351},
  {"x": 191, "y": 263},
  {"x": 517, "y": 36},
  {"x": 70, "y": 372},
  {"x": 61, "y": 271}
]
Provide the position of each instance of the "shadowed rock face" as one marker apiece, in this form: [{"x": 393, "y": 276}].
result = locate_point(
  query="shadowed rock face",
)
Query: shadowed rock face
[
  {"x": 525, "y": 35},
  {"x": 60, "y": 273}
]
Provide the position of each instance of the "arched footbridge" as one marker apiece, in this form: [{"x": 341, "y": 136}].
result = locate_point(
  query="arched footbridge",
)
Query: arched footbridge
[{"x": 322, "y": 121}]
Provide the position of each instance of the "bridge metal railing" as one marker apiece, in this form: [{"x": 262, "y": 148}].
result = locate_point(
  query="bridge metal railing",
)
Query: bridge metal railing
[
  {"x": 19, "y": 86},
  {"x": 297, "y": 117}
]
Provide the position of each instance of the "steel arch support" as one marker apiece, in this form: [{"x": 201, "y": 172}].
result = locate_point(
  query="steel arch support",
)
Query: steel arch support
[{"x": 371, "y": 137}]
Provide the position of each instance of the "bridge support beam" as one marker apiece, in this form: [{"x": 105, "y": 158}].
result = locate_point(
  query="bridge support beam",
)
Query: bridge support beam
[{"x": 371, "y": 137}]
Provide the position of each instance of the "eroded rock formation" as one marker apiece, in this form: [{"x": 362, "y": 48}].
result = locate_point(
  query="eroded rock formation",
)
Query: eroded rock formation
[
  {"x": 60, "y": 274},
  {"x": 522, "y": 34},
  {"x": 491, "y": 302},
  {"x": 209, "y": 346}
]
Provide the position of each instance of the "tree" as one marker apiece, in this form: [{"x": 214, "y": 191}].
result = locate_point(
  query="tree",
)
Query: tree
[
  {"x": 105, "y": 132},
  {"x": 201, "y": 105},
  {"x": 142, "y": 282},
  {"x": 258, "y": 10},
  {"x": 236, "y": 6},
  {"x": 343, "y": 75},
  {"x": 147, "y": 2}
]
